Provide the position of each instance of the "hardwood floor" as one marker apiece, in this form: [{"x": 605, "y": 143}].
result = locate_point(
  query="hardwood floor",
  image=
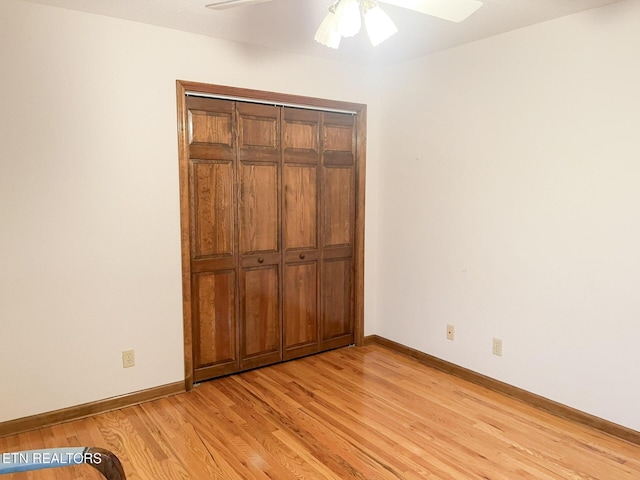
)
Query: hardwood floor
[{"x": 354, "y": 413}]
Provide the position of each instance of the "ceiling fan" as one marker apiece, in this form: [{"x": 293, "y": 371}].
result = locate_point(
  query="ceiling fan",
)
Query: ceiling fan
[{"x": 345, "y": 16}]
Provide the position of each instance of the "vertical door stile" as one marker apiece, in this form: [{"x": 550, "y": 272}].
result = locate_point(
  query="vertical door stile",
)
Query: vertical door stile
[
  {"x": 281, "y": 245},
  {"x": 354, "y": 190},
  {"x": 321, "y": 229},
  {"x": 236, "y": 224}
]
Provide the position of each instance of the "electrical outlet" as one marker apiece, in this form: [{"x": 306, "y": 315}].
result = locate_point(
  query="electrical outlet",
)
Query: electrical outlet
[
  {"x": 450, "y": 332},
  {"x": 128, "y": 359},
  {"x": 497, "y": 347}
]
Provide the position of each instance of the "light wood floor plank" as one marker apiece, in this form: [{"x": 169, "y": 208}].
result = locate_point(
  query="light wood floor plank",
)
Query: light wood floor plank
[{"x": 355, "y": 413}]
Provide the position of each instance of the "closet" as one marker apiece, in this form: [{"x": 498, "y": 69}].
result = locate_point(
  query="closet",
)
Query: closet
[{"x": 272, "y": 211}]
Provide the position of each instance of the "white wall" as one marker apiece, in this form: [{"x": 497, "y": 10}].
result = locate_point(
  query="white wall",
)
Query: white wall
[
  {"x": 510, "y": 208},
  {"x": 89, "y": 209}
]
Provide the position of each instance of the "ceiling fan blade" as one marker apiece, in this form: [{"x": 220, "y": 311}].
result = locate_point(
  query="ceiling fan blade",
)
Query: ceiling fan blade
[
  {"x": 452, "y": 10},
  {"x": 222, "y": 4}
]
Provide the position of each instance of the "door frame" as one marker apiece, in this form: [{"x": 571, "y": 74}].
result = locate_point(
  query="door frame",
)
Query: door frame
[{"x": 240, "y": 94}]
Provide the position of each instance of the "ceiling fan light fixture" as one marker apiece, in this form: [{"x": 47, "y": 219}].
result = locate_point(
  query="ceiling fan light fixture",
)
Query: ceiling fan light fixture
[
  {"x": 379, "y": 25},
  {"x": 348, "y": 15},
  {"x": 327, "y": 33}
]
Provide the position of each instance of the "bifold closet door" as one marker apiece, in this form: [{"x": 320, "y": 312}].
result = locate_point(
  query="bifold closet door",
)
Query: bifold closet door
[
  {"x": 319, "y": 230},
  {"x": 272, "y": 225},
  {"x": 214, "y": 255},
  {"x": 259, "y": 171},
  {"x": 338, "y": 135},
  {"x": 301, "y": 186}
]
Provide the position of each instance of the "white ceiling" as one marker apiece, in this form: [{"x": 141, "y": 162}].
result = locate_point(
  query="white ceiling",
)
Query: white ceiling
[{"x": 290, "y": 25}]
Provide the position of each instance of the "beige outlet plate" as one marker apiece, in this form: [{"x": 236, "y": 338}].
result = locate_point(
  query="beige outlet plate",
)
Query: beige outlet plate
[
  {"x": 450, "y": 332},
  {"x": 128, "y": 359},
  {"x": 497, "y": 347}
]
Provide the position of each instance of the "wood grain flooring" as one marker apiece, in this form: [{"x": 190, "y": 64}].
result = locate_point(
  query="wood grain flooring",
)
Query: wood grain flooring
[{"x": 354, "y": 413}]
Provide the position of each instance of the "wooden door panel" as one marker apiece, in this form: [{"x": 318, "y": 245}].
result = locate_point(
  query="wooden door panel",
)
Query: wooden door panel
[
  {"x": 300, "y": 141},
  {"x": 300, "y": 207},
  {"x": 210, "y": 129},
  {"x": 258, "y": 132},
  {"x": 336, "y": 299},
  {"x": 261, "y": 315},
  {"x": 259, "y": 212},
  {"x": 338, "y": 214},
  {"x": 215, "y": 324},
  {"x": 339, "y": 137},
  {"x": 212, "y": 201},
  {"x": 301, "y": 305},
  {"x": 300, "y": 135}
]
